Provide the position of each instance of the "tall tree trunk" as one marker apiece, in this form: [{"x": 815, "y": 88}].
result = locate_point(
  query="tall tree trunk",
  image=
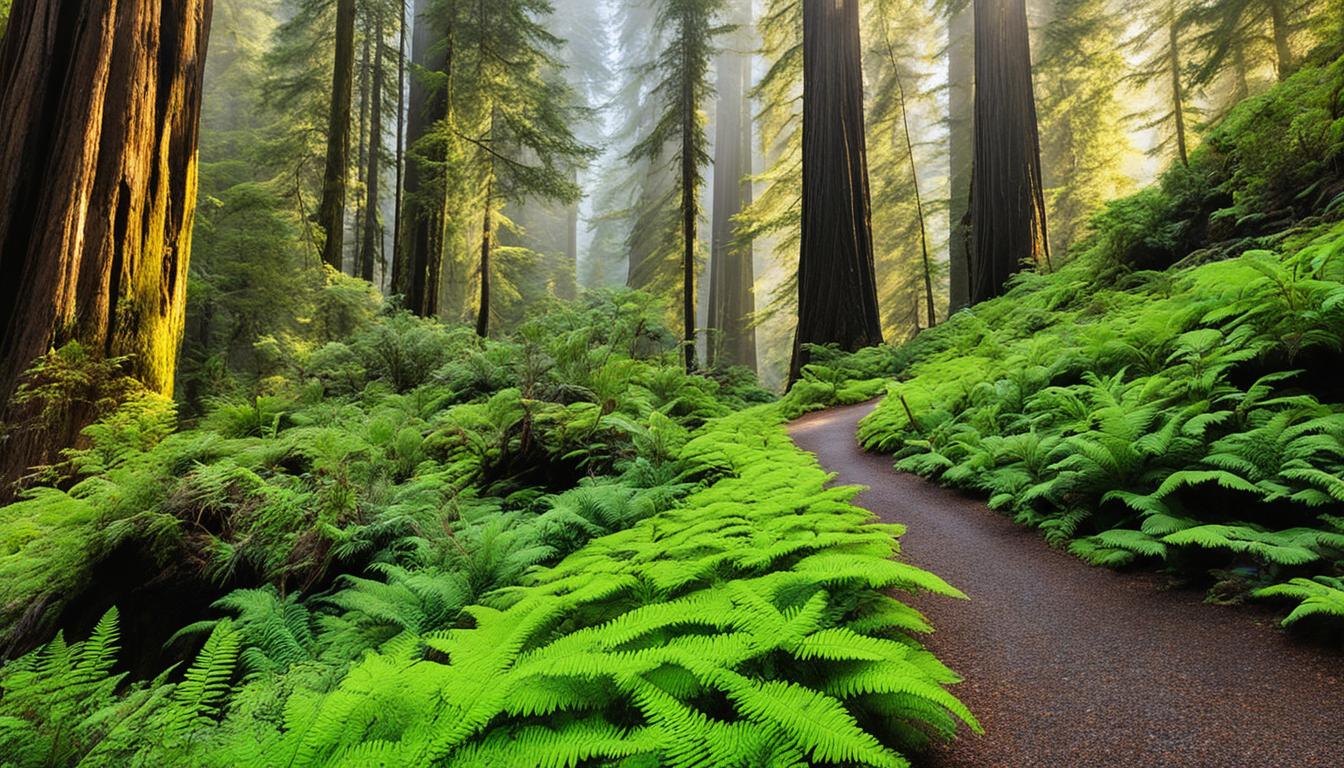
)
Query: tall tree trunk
[
  {"x": 961, "y": 149},
  {"x": 1240, "y": 72},
  {"x": 914, "y": 177},
  {"x": 732, "y": 339},
  {"x": 361, "y": 195},
  {"x": 690, "y": 187},
  {"x": 837, "y": 281},
  {"x": 1177, "y": 87},
  {"x": 101, "y": 105},
  {"x": 397, "y": 284},
  {"x": 331, "y": 213},
  {"x": 568, "y": 288},
  {"x": 1007, "y": 197},
  {"x": 1283, "y": 51},
  {"x": 487, "y": 242},
  {"x": 373, "y": 234},
  {"x": 424, "y": 194}
]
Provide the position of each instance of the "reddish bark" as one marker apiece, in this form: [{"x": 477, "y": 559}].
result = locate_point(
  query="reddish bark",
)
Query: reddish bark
[
  {"x": 837, "y": 282},
  {"x": 101, "y": 105}
]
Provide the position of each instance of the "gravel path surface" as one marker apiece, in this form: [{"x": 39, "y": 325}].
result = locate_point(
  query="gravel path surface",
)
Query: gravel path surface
[{"x": 1069, "y": 666}]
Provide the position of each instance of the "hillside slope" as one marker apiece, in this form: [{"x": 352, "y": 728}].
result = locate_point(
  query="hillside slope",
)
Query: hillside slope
[{"x": 1169, "y": 395}]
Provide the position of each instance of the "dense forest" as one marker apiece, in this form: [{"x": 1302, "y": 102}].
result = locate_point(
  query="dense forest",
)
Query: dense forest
[{"x": 671, "y": 383}]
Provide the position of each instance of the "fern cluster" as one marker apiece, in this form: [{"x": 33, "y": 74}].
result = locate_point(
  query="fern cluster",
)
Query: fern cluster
[
  {"x": 395, "y": 445},
  {"x": 1187, "y": 416},
  {"x": 753, "y": 623}
]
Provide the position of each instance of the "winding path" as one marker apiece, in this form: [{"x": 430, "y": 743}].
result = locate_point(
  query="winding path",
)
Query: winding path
[{"x": 1070, "y": 666}]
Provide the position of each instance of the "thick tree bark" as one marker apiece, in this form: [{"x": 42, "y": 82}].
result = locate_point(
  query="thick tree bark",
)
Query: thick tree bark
[
  {"x": 1283, "y": 51},
  {"x": 101, "y": 105},
  {"x": 331, "y": 213},
  {"x": 1007, "y": 197},
  {"x": 732, "y": 339},
  {"x": 837, "y": 282},
  {"x": 1177, "y": 89},
  {"x": 398, "y": 284},
  {"x": 423, "y": 198},
  {"x": 961, "y": 148},
  {"x": 373, "y": 234}
]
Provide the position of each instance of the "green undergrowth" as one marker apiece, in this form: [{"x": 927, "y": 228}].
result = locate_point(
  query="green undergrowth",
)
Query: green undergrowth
[
  {"x": 412, "y": 547},
  {"x": 1171, "y": 394},
  {"x": 754, "y": 623}
]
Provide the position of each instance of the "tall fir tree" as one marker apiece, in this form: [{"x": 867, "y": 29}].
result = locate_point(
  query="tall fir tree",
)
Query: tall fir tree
[
  {"x": 1079, "y": 74},
  {"x": 1163, "y": 48},
  {"x": 677, "y": 135}
]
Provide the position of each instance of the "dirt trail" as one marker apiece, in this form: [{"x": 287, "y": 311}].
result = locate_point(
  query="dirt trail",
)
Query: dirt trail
[{"x": 1073, "y": 666}]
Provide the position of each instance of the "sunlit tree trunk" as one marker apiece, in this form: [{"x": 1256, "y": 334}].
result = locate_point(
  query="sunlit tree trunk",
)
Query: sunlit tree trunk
[
  {"x": 837, "y": 282},
  {"x": 1177, "y": 88},
  {"x": 331, "y": 213},
  {"x": 423, "y": 198},
  {"x": 373, "y": 234},
  {"x": 101, "y": 105},
  {"x": 1007, "y": 196},
  {"x": 961, "y": 148},
  {"x": 732, "y": 338},
  {"x": 1279, "y": 18},
  {"x": 909, "y": 141}
]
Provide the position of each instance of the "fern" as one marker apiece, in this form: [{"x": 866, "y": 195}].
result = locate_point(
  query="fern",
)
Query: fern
[{"x": 1321, "y": 597}]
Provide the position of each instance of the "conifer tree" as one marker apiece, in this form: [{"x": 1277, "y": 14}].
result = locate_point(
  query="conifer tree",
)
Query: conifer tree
[
  {"x": 905, "y": 136},
  {"x": 837, "y": 283},
  {"x": 371, "y": 244},
  {"x": 424, "y": 199},
  {"x": 732, "y": 338},
  {"x": 97, "y": 197},
  {"x": 1007, "y": 192},
  {"x": 396, "y": 282},
  {"x": 678, "y": 133},
  {"x": 961, "y": 148},
  {"x": 1163, "y": 69},
  {"x": 332, "y": 211},
  {"x": 1084, "y": 142},
  {"x": 515, "y": 122}
]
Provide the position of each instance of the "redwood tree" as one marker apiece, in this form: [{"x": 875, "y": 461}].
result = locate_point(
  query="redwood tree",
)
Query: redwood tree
[
  {"x": 1007, "y": 196},
  {"x": 421, "y": 266},
  {"x": 960, "y": 77},
  {"x": 331, "y": 214},
  {"x": 97, "y": 195},
  {"x": 837, "y": 283},
  {"x": 370, "y": 249},
  {"x": 731, "y": 275}
]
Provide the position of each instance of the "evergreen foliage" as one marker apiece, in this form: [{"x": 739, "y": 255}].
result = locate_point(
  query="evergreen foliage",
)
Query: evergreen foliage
[
  {"x": 1179, "y": 416},
  {"x": 405, "y": 570}
]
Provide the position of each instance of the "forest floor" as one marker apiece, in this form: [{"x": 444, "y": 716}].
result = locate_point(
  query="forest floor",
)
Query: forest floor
[{"x": 1071, "y": 665}]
